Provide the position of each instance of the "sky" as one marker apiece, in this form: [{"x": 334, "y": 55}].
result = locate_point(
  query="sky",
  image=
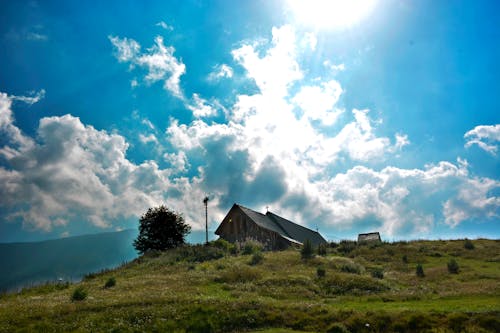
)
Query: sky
[{"x": 343, "y": 116}]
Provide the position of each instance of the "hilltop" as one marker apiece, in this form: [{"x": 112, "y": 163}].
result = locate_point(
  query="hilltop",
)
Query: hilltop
[{"x": 353, "y": 288}]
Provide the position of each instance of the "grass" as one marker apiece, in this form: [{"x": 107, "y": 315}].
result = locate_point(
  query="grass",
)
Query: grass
[{"x": 204, "y": 289}]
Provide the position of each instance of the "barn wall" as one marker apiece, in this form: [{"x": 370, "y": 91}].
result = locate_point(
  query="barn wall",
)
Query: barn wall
[
  {"x": 237, "y": 227},
  {"x": 373, "y": 237}
]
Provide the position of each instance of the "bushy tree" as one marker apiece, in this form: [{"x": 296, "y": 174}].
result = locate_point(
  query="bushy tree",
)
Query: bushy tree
[{"x": 160, "y": 229}]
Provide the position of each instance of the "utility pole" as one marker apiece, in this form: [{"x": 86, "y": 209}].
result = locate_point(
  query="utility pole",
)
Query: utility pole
[{"x": 205, "y": 201}]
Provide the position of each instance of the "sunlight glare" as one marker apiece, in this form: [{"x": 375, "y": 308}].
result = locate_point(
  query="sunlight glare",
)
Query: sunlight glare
[{"x": 331, "y": 14}]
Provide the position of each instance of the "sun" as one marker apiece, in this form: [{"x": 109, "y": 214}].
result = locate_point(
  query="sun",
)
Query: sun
[{"x": 330, "y": 14}]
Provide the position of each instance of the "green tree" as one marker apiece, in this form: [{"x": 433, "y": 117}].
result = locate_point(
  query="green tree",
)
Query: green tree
[{"x": 160, "y": 229}]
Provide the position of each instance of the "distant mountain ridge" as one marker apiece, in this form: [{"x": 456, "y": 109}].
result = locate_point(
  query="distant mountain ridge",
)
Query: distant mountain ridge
[{"x": 25, "y": 264}]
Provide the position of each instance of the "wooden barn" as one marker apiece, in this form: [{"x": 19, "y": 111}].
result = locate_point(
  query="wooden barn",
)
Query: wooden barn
[
  {"x": 275, "y": 232},
  {"x": 371, "y": 237}
]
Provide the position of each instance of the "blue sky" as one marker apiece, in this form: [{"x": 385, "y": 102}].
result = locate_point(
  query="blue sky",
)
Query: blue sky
[{"x": 343, "y": 116}]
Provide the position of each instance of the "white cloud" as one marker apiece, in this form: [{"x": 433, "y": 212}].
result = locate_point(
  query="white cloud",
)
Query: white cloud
[
  {"x": 357, "y": 139},
  {"x": 317, "y": 102},
  {"x": 403, "y": 201},
  {"x": 278, "y": 69},
  {"x": 145, "y": 139},
  {"x": 74, "y": 172},
  {"x": 34, "y": 97},
  {"x": 36, "y": 36},
  {"x": 200, "y": 107},
  {"x": 486, "y": 137},
  {"x": 159, "y": 60},
  {"x": 334, "y": 67},
  {"x": 126, "y": 49},
  {"x": 309, "y": 41},
  {"x": 164, "y": 25},
  {"x": 31, "y": 33},
  {"x": 221, "y": 71},
  {"x": 17, "y": 140},
  {"x": 178, "y": 161},
  {"x": 401, "y": 141}
]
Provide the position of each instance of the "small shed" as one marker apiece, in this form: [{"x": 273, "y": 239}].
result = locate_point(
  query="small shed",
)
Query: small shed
[
  {"x": 275, "y": 232},
  {"x": 371, "y": 237}
]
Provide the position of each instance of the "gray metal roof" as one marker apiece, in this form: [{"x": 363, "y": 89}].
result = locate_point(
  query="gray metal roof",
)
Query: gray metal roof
[
  {"x": 284, "y": 227},
  {"x": 263, "y": 221},
  {"x": 297, "y": 231}
]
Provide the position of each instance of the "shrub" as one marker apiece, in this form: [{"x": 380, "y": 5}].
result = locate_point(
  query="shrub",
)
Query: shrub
[
  {"x": 419, "y": 322},
  {"x": 307, "y": 250},
  {"x": 351, "y": 268},
  {"x": 420, "y": 270},
  {"x": 79, "y": 294},
  {"x": 468, "y": 244},
  {"x": 457, "y": 322},
  {"x": 239, "y": 274},
  {"x": 337, "y": 328},
  {"x": 489, "y": 322},
  {"x": 320, "y": 272},
  {"x": 322, "y": 249},
  {"x": 333, "y": 245},
  {"x": 346, "y": 246},
  {"x": 223, "y": 245},
  {"x": 199, "y": 253},
  {"x": 111, "y": 282},
  {"x": 256, "y": 258},
  {"x": 235, "y": 250},
  {"x": 251, "y": 247},
  {"x": 378, "y": 273},
  {"x": 453, "y": 266},
  {"x": 405, "y": 259},
  {"x": 338, "y": 284}
]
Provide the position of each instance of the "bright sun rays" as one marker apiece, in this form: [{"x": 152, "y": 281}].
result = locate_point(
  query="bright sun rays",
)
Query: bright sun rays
[{"x": 331, "y": 14}]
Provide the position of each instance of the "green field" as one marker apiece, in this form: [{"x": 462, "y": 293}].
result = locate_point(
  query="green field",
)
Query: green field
[{"x": 365, "y": 288}]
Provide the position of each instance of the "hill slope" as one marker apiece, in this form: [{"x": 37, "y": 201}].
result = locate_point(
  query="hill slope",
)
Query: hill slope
[
  {"x": 187, "y": 290},
  {"x": 69, "y": 258}
]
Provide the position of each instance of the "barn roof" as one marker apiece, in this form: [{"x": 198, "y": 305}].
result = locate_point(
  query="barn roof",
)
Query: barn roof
[{"x": 284, "y": 227}]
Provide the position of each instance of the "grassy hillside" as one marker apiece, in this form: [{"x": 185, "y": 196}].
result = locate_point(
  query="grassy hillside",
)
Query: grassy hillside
[{"x": 364, "y": 289}]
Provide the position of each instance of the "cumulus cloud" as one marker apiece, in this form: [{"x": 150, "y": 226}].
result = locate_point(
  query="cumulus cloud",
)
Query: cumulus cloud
[
  {"x": 74, "y": 172},
  {"x": 408, "y": 200},
  {"x": 486, "y": 137},
  {"x": 148, "y": 138},
  {"x": 200, "y": 107},
  {"x": 221, "y": 71},
  {"x": 317, "y": 102},
  {"x": 159, "y": 60},
  {"x": 278, "y": 69}
]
